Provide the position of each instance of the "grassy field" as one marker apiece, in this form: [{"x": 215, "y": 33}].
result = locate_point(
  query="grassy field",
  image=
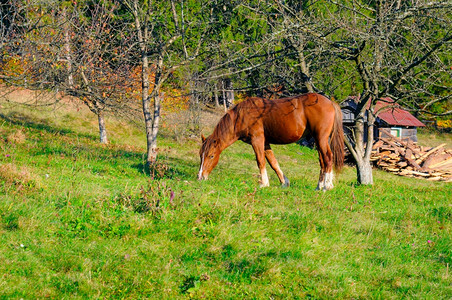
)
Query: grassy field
[{"x": 80, "y": 220}]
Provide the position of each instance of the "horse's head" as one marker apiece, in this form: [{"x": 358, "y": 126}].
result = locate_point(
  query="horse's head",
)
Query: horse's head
[{"x": 209, "y": 155}]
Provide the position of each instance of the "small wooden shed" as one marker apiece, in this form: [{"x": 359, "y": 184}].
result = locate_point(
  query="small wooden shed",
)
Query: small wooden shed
[{"x": 392, "y": 118}]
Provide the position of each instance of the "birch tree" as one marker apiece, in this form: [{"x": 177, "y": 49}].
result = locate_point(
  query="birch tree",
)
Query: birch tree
[
  {"x": 169, "y": 35},
  {"x": 97, "y": 69}
]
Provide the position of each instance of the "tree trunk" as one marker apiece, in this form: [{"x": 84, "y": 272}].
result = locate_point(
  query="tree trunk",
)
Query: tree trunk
[
  {"x": 224, "y": 96},
  {"x": 148, "y": 121},
  {"x": 364, "y": 172},
  {"x": 67, "y": 48},
  {"x": 305, "y": 69},
  {"x": 229, "y": 92},
  {"x": 149, "y": 118},
  {"x": 152, "y": 137},
  {"x": 215, "y": 94},
  {"x": 102, "y": 128},
  {"x": 361, "y": 149},
  {"x": 96, "y": 108}
]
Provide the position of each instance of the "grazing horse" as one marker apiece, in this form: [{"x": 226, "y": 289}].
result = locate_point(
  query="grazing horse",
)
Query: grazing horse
[{"x": 261, "y": 122}]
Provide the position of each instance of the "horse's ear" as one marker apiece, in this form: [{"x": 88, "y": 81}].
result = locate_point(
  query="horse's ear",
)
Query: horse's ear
[{"x": 203, "y": 138}]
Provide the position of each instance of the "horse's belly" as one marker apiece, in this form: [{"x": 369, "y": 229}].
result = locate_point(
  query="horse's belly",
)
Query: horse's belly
[
  {"x": 283, "y": 138},
  {"x": 284, "y": 132}
]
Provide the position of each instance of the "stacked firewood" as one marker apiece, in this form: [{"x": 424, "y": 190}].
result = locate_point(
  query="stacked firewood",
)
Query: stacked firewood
[{"x": 406, "y": 158}]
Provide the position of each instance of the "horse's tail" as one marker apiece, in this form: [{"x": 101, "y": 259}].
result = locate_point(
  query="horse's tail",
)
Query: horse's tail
[{"x": 337, "y": 139}]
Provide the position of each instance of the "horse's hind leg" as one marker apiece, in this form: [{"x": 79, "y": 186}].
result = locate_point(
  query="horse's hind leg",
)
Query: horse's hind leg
[
  {"x": 275, "y": 166},
  {"x": 326, "y": 164}
]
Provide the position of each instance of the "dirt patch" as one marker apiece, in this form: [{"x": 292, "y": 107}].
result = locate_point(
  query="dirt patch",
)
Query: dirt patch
[{"x": 57, "y": 100}]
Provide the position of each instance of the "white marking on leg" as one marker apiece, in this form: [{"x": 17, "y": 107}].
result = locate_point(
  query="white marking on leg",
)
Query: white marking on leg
[
  {"x": 328, "y": 181},
  {"x": 264, "y": 178},
  {"x": 200, "y": 168},
  {"x": 320, "y": 185}
]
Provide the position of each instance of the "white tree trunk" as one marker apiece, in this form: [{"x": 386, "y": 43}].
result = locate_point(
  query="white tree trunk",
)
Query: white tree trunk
[
  {"x": 67, "y": 48},
  {"x": 102, "y": 128},
  {"x": 224, "y": 96},
  {"x": 215, "y": 95},
  {"x": 152, "y": 138},
  {"x": 149, "y": 117}
]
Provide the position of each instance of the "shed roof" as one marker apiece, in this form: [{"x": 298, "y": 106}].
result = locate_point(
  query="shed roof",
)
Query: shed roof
[
  {"x": 388, "y": 111},
  {"x": 393, "y": 114}
]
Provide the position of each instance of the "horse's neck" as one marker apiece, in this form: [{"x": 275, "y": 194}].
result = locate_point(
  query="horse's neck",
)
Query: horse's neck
[
  {"x": 228, "y": 137},
  {"x": 227, "y": 142}
]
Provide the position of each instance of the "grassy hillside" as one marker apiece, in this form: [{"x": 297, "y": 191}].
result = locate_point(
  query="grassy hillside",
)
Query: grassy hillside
[{"x": 82, "y": 220}]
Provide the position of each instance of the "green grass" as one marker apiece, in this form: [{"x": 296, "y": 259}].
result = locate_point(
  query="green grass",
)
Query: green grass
[
  {"x": 429, "y": 137},
  {"x": 80, "y": 220}
]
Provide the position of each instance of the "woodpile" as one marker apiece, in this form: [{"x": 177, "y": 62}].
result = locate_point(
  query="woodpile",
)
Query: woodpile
[{"x": 406, "y": 158}]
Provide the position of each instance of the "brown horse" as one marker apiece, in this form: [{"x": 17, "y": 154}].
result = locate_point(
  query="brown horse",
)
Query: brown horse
[{"x": 262, "y": 122}]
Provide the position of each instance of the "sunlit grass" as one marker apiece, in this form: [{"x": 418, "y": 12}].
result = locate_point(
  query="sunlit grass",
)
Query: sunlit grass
[{"x": 86, "y": 221}]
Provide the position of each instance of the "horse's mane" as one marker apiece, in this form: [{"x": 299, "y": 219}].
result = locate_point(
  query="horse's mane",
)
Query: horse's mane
[
  {"x": 223, "y": 128},
  {"x": 228, "y": 121}
]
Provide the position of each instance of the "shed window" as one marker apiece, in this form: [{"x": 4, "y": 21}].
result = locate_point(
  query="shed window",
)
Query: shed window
[{"x": 396, "y": 131}]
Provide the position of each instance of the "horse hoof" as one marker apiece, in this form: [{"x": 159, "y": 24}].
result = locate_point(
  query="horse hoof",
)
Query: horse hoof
[{"x": 286, "y": 182}]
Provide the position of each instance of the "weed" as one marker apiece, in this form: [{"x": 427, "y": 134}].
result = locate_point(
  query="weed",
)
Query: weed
[
  {"x": 10, "y": 221},
  {"x": 153, "y": 198},
  {"x": 18, "y": 177},
  {"x": 18, "y": 137}
]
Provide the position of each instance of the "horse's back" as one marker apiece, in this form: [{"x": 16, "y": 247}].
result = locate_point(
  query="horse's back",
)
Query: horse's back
[{"x": 283, "y": 120}]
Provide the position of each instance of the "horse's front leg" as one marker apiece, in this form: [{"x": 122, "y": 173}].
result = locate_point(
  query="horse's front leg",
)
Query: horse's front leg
[
  {"x": 275, "y": 166},
  {"x": 258, "y": 147}
]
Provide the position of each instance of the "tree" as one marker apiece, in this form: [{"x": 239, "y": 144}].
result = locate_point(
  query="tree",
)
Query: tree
[
  {"x": 376, "y": 49},
  {"x": 399, "y": 49},
  {"x": 14, "y": 26},
  {"x": 97, "y": 64},
  {"x": 169, "y": 36},
  {"x": 68, "y": 47}
]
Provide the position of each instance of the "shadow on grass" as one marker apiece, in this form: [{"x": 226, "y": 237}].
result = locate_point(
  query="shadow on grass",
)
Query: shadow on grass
[
  {"x": 164, "y": 168},
  {"x": 167, "y": 168},
  {"x": 16, "y": 118}
]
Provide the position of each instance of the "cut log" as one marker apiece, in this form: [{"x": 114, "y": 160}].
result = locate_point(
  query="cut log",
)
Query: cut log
[
  {"x": 417, "y": 173},
  {"x": 402, "y": 164},
  {"x": 396, "y": 148},
  {"x": 385, "y": 153},
  {"x": 392, "y": 169},
  {"x": 411, "y": 161},
  {"x": 435, "y": 159},
  {"x": 445, "y": 168},
  {"x": 378, "y": 144},
  {"x": 437, "y": 178},
  {"x": 441, "y": 163},
  {"x": 430, "y": 152}
]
